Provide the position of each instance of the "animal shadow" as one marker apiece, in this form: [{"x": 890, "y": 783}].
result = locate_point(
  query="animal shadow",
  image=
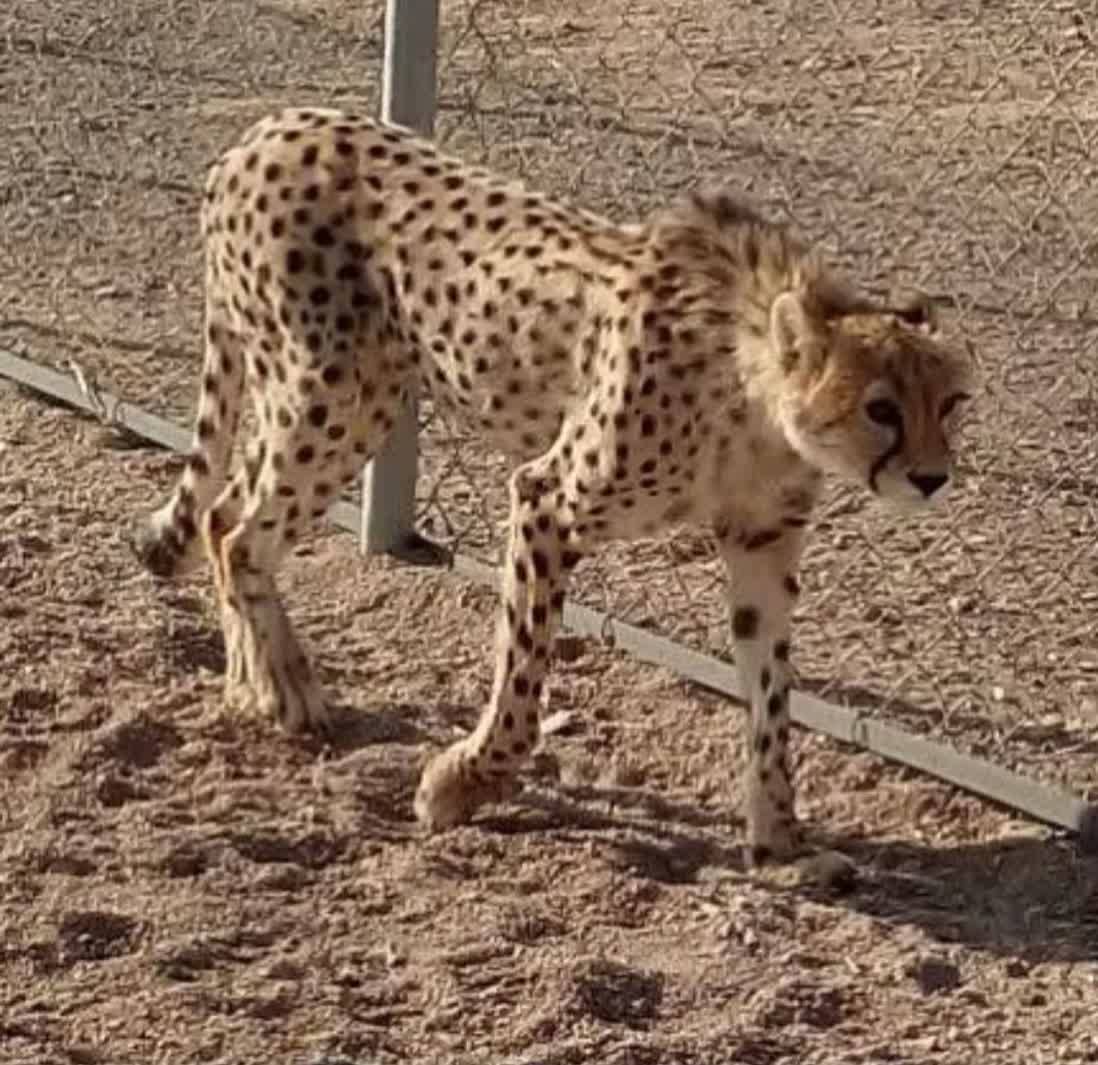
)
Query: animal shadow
[
  {"x": 1018, "y": 897},
  {"x": 353, "y": 728}
]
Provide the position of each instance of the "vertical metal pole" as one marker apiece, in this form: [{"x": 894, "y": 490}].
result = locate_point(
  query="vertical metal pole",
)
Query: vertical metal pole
[{"x": 408, "y": 97}]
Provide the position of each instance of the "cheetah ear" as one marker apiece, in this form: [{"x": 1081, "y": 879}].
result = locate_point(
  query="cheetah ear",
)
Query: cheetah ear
[
  {"x": 916, "y": 310},
  {"x": 792, "y": 329},
  {"x": 836, "y": 298}
]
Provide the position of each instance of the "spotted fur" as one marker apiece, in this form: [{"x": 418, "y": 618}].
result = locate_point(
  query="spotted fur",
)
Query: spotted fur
[{"x": 699, "y": 366}]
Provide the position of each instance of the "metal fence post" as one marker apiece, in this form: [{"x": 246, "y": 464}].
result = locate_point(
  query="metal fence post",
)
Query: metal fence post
[{"x": 408, "y": 96}]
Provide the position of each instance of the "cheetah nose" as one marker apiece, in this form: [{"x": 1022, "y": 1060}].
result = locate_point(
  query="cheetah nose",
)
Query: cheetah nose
[{"x": 928, "y": 483}]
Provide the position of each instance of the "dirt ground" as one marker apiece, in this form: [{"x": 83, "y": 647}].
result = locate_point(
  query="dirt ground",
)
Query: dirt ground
[
  {"x": 179, "y": 885},
  {"x": 921, "y": 141}
]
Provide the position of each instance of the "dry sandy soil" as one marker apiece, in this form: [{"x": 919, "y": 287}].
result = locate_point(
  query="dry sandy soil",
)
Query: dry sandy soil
[
  {"x": 922, "y": 141},
  {"x": 177, "y": 884},
  {"x": 180, "y": 885}
]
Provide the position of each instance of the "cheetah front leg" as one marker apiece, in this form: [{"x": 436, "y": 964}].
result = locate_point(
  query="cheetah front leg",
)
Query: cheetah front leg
[
  {"x": 481, "y": 768},
  {"x": 762, "y": 572}
]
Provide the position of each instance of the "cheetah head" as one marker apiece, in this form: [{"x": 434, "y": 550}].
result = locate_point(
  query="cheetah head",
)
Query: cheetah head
[{"x": 870, "y": 392}]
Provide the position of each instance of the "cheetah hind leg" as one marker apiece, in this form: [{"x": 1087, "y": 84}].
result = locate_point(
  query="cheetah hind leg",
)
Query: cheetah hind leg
[
  {"x": 277, "y": 679},
  {"x": 166, "y": 542},
  {"x": 224, "y": 514},
  {"x": 267, "y": 671}
]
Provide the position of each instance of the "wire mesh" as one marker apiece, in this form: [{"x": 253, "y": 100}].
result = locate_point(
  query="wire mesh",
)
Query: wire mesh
[{"x": 945, "y": 145}]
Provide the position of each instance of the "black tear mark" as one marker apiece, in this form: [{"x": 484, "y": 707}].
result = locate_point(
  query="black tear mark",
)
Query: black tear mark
[
  {"x": 884, "y": 459},
  {"x": 754, "y": 541}
]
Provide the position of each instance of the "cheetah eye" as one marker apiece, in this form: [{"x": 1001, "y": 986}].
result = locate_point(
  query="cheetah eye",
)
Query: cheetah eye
[
  {"x": 884, "y": 412},
  {"x": 950, "y": 403}
]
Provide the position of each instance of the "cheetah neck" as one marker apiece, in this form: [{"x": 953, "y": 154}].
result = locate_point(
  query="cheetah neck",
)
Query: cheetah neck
[
  {"x": 763, "y": 376},
  {"x": 720, "y": 251}
]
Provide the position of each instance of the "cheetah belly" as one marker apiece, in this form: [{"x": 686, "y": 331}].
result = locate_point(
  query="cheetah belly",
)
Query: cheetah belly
[
  {"x": 497, "y": 366},
  {"x": 521, "y": 431}
]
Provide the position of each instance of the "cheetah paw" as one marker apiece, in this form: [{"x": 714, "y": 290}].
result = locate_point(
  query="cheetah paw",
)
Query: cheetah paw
[
  {"x": 295, "y": 704},
  {"x": 298, "y": 706},
  {"x": 451, "y": 790}
]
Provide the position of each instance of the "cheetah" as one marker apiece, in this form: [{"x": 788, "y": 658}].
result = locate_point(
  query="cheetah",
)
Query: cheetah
[{"x": 701, "y": 366}]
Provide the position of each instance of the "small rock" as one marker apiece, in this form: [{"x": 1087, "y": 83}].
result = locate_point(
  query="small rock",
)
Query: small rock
[
  {"x": 285, "y": 969},
  {"x": 829, "y": 870},
  {"x": 1016, "y": 968},
  {"x": 95, "y": 935},
  {"x": 113, "y": 790},
  {"x": 615, "y": 993},
  {"x": 282, "y": 878},
  {"x": 78, "y": 1054},
  {"x": 623, "y": 772},
  {"x": 801, "y": 1002},
  {"x": 545, "y": 765},
  {"x": 562, "y": 722},
  {"x": 934, "y": 975},
  {"x": 184, "y": 860},
  {"x": 567, "y": 648},
  {"x": 579, "y": 770}
]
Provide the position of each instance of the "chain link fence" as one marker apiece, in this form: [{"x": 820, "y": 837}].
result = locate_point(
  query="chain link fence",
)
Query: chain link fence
[{"x": 951, "y": 146}]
